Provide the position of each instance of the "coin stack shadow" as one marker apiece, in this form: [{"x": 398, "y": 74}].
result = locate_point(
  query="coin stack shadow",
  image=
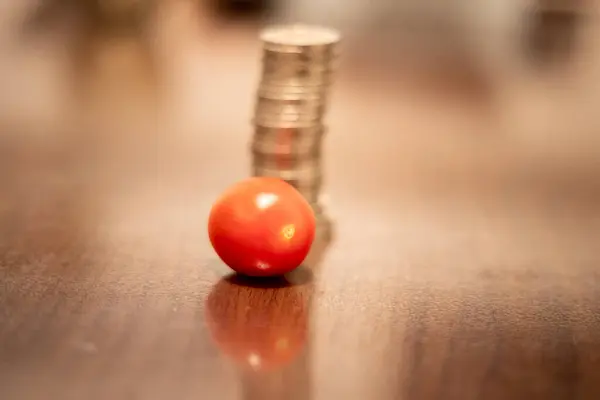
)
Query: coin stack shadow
[{"x": 297, "y": 71}]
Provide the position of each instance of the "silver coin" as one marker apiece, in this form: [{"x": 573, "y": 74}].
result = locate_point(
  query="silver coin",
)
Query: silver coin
[
  {"x": 285, "y": 145},
  {"x": 276, "y": 119},
  {"x": 282, "y": 123},
  {"x": 282, "y": 61},
  {"x": 283, "y": 78},
  {"x": 309, "y": 105},
  {"x": 292, "y": 92},
  {"x": 325, "y": 57},
  {"x": 314, "y": 131},
  {"x": 307, "y": 181},
  {"x": 279, "y": 62},
  {"x": 304, "y": 169},
  {"x": 299, "y": 68},
  {"x": 264, "y": 118},
  {"x": 285, "y": 121},
  {"x": 271, "y": 106},
  {"x": 297, "y": 76},
  {"x": 287, "y": 109},
  {"x": 290, "y": 81},
  {"x": 285, "y": 154},
  {"x": 268, "y": 154},
  {"x": 309, "y": 90},
  {"x": 299, "y": 38},
  {"x": 290, "y": 136}
]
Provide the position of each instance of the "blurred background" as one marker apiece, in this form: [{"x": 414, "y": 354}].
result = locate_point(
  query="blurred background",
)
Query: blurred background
[
  {"x": 529, "y": 63},
  {"x": 447, "y": 94}
]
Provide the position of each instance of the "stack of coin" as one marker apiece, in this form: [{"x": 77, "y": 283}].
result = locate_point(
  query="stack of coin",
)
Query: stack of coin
[{"x": 297, "y": 71}]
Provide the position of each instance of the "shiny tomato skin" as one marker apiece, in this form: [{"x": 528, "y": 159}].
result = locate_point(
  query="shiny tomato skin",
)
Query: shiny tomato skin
[{"x": 262, "y": 226}]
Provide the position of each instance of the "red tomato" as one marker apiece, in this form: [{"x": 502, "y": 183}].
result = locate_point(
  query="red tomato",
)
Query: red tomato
[{"x": 262, "y": 227}]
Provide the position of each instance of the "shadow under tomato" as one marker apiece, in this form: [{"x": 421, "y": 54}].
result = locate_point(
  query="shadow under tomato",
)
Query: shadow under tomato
[{"x": 300, "y": 276}]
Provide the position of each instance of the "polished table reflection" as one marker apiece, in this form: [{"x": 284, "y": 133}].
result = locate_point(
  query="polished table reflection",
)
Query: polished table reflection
[{"x": 460, "y": 261}]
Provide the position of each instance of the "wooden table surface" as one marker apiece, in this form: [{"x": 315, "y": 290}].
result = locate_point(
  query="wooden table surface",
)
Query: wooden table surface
[{"x": 463, "y": 264}]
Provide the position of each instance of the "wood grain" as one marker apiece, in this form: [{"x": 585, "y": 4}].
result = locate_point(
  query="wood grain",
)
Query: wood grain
[{"x": 462, "y": 264}]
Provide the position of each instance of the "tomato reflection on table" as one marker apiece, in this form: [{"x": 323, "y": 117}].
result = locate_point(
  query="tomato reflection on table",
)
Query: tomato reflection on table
[{"x": 260, "y": 328}]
